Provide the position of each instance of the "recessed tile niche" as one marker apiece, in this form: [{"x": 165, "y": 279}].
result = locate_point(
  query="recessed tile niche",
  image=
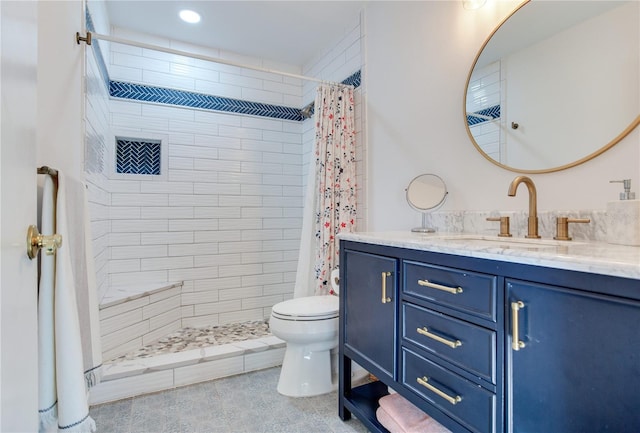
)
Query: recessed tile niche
[{"x": 138, "y": 156}]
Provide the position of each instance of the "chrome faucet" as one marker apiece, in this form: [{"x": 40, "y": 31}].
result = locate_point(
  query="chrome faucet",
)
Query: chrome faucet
[{"x": 533, "y": 207}]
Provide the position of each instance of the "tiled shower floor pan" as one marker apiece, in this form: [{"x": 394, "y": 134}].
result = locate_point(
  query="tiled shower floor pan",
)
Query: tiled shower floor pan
[
  {"x": 187, "y": 356},
  {"x": 197, "y": 338}
]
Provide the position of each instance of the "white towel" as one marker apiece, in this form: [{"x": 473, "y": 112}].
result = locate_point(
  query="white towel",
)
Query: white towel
[
  {"x": 68, "y": 381},
  {"x": 47, "y": 399}
]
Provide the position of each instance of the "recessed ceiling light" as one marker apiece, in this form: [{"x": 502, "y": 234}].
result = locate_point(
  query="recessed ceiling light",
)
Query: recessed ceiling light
[{"x": 190, "y": 16}]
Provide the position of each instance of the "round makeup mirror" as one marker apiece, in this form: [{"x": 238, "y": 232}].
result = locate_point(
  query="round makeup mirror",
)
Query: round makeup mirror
[{"x": 426, "y": 192}]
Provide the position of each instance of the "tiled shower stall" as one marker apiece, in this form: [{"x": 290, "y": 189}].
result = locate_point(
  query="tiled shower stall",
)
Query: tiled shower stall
[{"x": 213, "y": 237}]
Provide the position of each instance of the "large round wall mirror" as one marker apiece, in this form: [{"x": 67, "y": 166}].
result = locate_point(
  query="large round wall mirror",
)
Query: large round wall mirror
[
  {"x": 426, "y": 192},
  {"x": 556, "y": 84}
]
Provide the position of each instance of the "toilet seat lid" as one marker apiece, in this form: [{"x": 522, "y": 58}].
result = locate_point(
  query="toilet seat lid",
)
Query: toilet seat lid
[{"x": 307, "y": 308}]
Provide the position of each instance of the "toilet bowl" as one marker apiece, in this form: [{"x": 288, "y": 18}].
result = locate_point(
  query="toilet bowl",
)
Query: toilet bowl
[{"x": 309, "y": 326}]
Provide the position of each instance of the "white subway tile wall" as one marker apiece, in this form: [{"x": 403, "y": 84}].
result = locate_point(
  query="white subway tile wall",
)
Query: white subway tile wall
[
  {"x": 226, "y": 217},
  {"x": 98, "y": 186}
]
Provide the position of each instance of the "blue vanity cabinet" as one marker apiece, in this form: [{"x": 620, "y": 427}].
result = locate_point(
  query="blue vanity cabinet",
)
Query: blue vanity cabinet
[
  {"x": 573, "y": 359},
  {"x": 390, "y": 313},
  {"x": 489, "y": 346},
  {"x": 368, "y": 318}
]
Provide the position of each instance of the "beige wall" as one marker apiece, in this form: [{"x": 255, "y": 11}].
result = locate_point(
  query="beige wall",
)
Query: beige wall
[{"x": 417, "y": 58}]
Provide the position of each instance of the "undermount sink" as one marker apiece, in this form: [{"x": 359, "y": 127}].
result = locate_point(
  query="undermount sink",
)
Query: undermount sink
[{"x": 506, "y": 242}]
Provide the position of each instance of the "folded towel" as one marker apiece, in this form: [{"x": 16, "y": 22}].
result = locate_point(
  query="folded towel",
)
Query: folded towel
[
  {"x": 408, "y": 417},
  {"x": 402, "y": 411},
  {"x": 387, "y": 421}
]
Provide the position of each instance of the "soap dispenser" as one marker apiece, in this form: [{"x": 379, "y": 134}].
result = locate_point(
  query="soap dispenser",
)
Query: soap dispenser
[
  {"x": 623, "y": 217},
  {"x": 627, "y": 194}
]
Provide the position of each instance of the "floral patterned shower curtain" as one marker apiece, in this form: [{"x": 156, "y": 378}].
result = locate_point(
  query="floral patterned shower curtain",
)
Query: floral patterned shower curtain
[{"x": 335, "y": 152}]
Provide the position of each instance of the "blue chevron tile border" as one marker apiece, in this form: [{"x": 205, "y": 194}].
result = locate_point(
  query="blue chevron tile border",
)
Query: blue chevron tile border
[
  {"x": 139, "y": 92},
  {"x": 354, "y": 80},
  {"x": 484, "y": 115},
  {"x": 136, "y": 156},
  {"x": 162, "y": 95}
]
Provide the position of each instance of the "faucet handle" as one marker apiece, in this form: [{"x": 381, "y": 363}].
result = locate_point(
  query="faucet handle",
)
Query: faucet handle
[
  {"x": 504, "y": 225},
  {"x": 562, "y": 227}
]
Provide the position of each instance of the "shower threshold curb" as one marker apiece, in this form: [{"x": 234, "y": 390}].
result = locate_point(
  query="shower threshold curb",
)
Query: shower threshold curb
[{"x": 170, "y": 370}]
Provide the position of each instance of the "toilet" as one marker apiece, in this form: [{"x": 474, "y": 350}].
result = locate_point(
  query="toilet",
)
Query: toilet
[{"x": 309, "y": 326}]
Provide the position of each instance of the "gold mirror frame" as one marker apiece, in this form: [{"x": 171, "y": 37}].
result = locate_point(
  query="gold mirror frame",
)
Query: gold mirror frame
[{"x": 634, "y": 123}]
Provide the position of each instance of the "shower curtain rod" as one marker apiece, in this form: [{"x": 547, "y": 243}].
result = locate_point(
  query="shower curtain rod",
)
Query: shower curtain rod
[{"x": 92, "y": 35}]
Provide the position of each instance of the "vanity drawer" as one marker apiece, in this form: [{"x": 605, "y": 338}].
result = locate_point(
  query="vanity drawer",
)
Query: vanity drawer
[
  {"x": 466, "y": 402},
  {"x": 469, "y": 346},
  {"x": 466, "y": 291}
]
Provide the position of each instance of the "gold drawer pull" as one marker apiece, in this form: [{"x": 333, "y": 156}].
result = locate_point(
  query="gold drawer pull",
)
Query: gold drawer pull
[
  {"x": 385, "y": 299},
  {"x": 516, "y": 344},
  {"x": 453, "y": 400},
  {"x": 427, "y": 283},
  {"x": 452, "y": 344}
]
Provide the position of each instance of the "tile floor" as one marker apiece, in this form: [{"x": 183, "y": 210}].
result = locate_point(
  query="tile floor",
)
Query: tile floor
[{"x": 247, "y": 403}]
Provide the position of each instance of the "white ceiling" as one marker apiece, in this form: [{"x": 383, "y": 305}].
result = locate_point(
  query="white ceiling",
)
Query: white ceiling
[{"x": 290, "y": 32}]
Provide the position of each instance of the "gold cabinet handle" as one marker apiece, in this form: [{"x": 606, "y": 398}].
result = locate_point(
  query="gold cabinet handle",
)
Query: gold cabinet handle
[
  {"x": 424, "y": 382},
  {"x": 36, "y": 241},
  {"x": 385, "y": 298},
  {"x": 516, "y": 344},
  {"x": 452, "y": 344},
  {"x": 427, "y": 283}
]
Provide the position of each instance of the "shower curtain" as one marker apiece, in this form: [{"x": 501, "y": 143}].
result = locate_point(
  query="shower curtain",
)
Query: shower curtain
[{"x": 330, "y": 206}]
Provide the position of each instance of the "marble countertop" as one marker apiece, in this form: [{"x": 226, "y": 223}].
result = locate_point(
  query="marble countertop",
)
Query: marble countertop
[{"x": 584, "y": 256}]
